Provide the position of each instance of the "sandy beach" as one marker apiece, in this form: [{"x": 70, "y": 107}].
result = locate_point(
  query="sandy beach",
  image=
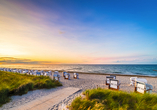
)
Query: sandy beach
[{"x": 85, "y": 81}]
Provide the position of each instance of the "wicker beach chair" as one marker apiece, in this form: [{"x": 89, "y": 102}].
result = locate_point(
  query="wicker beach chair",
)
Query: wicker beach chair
[
  {"x": 141, "y": 86},
  {"x": 75, "y": 76},
  {"x": 67, "y": 76}
]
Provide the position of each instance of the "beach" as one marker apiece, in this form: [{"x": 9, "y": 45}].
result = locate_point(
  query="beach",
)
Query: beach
[{"x": 85, "y": 81}]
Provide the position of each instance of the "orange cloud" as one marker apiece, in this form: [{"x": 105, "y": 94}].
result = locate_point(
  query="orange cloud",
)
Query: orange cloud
[{"x": 12, "y": 60}]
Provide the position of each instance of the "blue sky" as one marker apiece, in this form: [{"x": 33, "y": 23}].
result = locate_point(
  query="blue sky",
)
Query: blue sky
[{"x": 79, "y": 31}]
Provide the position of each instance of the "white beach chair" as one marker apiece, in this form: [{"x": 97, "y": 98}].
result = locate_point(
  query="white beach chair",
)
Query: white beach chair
[
  {"x": 8, "y": 69},
  {"x": 42, "y": 72},
  {"x": 34, "y": 72},
  {"x": 67, "y": 76},
  {"x": 75, "y": 76},
  {"x": 114, "y": 84},
  {"x": 30, "y": 73},
  {"x": 141, "y": 86},
  {"x": 56, "y": 77},
  {"x": 45, "y": 73},
  {"x": 108, "y": 79},
  {"x": 14, "y": 71},
  {"x": 20, "y": 70},
  {"x": 25, "y": 71},
  {"x": 132, "y": 81},
  {"x": 50, "y": 73}
]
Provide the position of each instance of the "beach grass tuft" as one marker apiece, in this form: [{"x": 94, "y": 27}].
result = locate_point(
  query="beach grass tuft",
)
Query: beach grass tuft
[
  {"x": 18, "y": 84},
  {"x": 104, "y": 99}
]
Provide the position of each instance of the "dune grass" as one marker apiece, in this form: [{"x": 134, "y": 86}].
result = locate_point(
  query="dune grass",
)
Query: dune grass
[
  {"x": 18, "y": 84},
  {"x": 103, "y": 99}
]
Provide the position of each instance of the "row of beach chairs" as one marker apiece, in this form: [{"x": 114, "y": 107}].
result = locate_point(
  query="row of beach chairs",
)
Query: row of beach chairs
[
  {"x": 140, "y": 84},
  {"x": 56, "y": 75},
  {"x": 28, "y": 72},
  {"x": 66, "y": 75}
]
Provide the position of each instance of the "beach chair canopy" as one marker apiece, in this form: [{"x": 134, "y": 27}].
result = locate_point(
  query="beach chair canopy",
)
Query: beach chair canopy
[
  {"x": 141, "y": 80},
  {"x": 56, "y": 72},
  {"x": 66, "y": 73},
  {"x": 133, "y": 78},
  {"x": 75, "y": 73},
  {"x": 55, "y": 75},
  {"x": 114, "y": 77}
]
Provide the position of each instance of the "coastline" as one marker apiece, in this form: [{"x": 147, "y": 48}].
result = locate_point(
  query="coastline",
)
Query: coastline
[
  {"x": 130, "y": 75},
  {"x": 144, "y": 70}
]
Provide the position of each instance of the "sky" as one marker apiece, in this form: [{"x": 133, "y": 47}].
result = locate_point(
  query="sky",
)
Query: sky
[{"x": 78, "y": 32}]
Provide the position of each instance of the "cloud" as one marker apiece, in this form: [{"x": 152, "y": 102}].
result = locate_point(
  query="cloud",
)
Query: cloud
[
  {"x": 61, "y": 32},
  {"x": 12, "y": 60},
  {"x": 118, "y": 61},
  {"x": 126, "y": 59}
]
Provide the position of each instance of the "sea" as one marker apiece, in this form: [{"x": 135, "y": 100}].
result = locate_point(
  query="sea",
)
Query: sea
[{"x": 126, "y": 69}]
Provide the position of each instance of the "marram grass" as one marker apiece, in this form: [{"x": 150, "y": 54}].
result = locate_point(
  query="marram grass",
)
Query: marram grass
[
  {"x": 104, "y": 99},
  {"x": 18, "y": 84}
]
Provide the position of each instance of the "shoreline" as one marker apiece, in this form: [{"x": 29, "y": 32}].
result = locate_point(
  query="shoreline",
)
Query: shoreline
[{"x": 130, "y": 75}]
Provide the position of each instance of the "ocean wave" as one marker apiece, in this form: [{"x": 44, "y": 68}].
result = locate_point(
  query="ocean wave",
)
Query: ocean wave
[
  {"x": 139, "y": 73},
  {"x": 77, "y": 68}
]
